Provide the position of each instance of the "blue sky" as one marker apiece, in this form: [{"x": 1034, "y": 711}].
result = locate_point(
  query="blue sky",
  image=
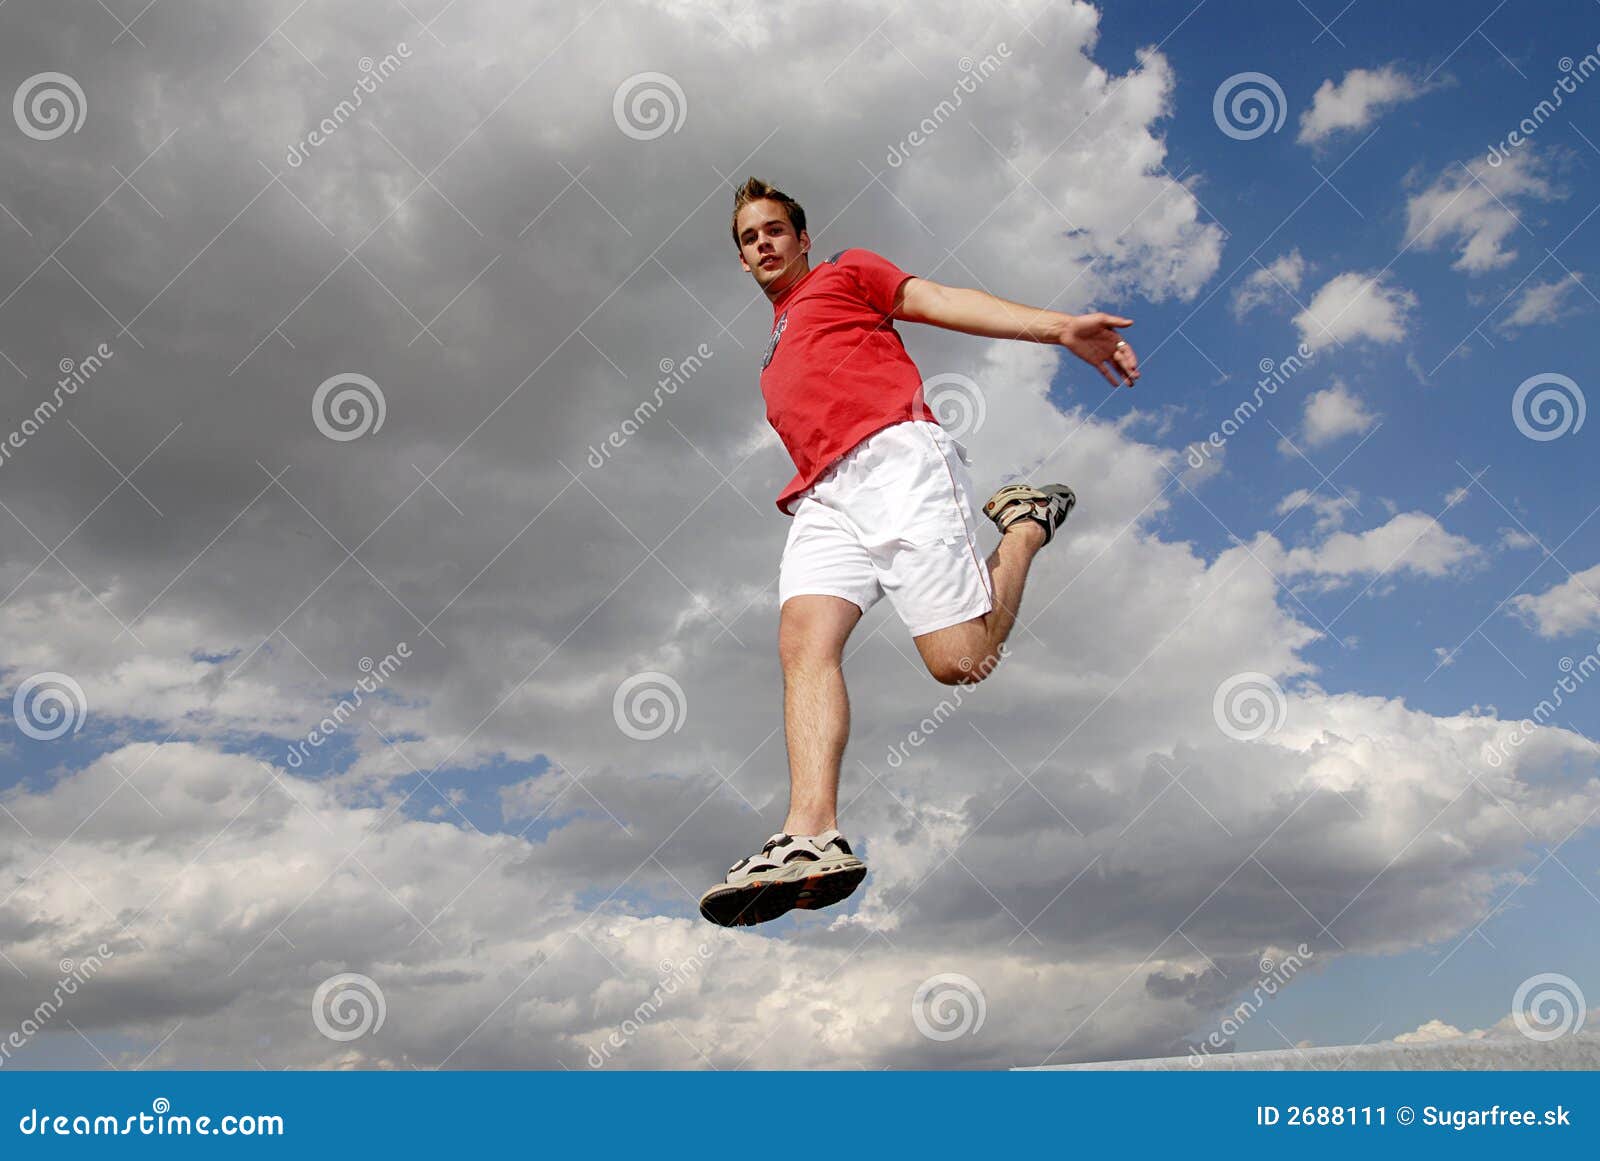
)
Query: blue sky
[{"x": 1436, "y": 434}]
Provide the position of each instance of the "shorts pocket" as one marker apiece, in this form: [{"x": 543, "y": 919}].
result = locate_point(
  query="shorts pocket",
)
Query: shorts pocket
[{"x": 936, "y": 530}]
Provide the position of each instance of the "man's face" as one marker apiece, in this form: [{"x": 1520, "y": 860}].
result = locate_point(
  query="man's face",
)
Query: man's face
[{"x": 769, "y": 248}]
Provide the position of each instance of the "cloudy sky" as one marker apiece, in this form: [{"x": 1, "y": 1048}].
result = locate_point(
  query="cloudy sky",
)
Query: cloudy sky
[{"x": 323, "y": 331}]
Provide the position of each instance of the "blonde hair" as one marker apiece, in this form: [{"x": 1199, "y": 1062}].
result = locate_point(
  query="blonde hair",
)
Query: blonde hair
[{"x": 755, "y": 190}]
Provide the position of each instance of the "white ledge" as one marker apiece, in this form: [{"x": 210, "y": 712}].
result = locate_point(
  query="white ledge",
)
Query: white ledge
[{"x": 1515, "y": 1053}]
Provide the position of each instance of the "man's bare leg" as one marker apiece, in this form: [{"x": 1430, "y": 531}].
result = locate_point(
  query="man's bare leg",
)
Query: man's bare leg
[
  {"x": 812, "y": 631},
  {"x": 968, "y": 652}
]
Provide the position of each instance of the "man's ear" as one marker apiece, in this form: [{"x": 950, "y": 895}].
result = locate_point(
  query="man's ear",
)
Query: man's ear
[{"x": 805, "y": 242}]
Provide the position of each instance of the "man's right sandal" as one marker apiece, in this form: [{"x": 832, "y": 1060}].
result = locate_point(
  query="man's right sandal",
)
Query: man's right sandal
[{"x": 1047, "y": 506}]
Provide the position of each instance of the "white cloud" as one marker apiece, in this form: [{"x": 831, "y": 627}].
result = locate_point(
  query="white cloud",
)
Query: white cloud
[
  {"x": 250, "y": 887},
  {"x": 1330, "y": 511},
  {"x": 1430, "y": 1031},
  {"x": 1355, "y": 306},
  {"x": 1563, "y": 608},
  {"x": 1412, "y": 542},
  {"x": 1096, "y": 193},
  {"x": 1414, "y": 365},
  {"x": 1544, "y": 303},
  {"x": 1355, "y": 102},
  {"x": 1476, "y": 206},
  {"x": 1504, "y": 1028},
  {"x": 1267, "y": 283},
  {"x": 1333, "y": 413}
]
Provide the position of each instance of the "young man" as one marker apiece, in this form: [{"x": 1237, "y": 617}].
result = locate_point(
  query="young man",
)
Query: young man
[{"x": 882, "y": 504}]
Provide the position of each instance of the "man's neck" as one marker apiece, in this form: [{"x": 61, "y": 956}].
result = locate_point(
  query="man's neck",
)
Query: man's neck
[{"x": 774, "y": 292}]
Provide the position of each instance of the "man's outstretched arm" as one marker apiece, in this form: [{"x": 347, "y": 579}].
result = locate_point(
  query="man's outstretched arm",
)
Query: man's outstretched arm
[{"x": 1092, "y": 337}]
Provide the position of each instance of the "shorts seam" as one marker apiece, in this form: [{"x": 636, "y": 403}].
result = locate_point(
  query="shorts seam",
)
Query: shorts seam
[{"x": 967, "y": 532}]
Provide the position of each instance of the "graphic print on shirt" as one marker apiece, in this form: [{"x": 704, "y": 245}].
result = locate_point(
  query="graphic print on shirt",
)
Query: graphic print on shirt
[
  {"x": 772, "y": 343},
  {"x": 777, "y": 328}
]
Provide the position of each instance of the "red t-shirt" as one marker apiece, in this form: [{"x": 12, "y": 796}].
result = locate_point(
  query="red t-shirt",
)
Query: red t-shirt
[{"x": 835, "y": 370}]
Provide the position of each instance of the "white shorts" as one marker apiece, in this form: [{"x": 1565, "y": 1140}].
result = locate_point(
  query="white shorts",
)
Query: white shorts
[{"x": 894, "y": 515}]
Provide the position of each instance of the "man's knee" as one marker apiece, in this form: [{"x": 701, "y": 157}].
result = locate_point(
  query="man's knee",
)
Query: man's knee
[
  {"x": 952, "y": 654},
  {"x": 797, "y": 648},
  {"x": 962, "y": 669},
  {"x": 813, "y": 630},
  {"x": 957, "y": 662}
]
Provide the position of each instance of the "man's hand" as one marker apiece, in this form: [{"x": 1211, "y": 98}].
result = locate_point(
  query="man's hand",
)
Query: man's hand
[{"x": 1093, "y": 338}]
